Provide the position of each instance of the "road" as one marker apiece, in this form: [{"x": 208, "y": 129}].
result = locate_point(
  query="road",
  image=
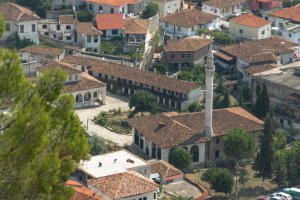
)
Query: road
[{"x": 112, "y": 102}]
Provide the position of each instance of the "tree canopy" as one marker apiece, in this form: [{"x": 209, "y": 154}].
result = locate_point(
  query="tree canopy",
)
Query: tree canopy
[
  {"x": 143, "y": 101},
  {"x": 180, "y": 158},
  {"x": 150, "y": 10},
  {"x": 97, "y": 145},
  {"x": 262, "y": 104}
]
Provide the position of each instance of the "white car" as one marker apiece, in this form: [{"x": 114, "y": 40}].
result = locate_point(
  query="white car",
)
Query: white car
[
  {"x": 274, "y": 198},
  {"x": 283, "y": 196}
]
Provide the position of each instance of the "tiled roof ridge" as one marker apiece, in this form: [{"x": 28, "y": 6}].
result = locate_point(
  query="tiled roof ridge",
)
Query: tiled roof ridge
[{"x": 118, "y": 189}]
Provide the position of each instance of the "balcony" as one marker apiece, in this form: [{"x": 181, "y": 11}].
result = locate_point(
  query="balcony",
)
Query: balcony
[{"x": 134, "y": 41}]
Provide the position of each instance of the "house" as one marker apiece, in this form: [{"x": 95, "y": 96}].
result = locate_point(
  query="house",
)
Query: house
[
  {"x": 248, "y": 26},
  {"x": 21, "y": 21},
  {"x": 111, "y": 163},
  {"x": 81, "y": 192},
  {"x": 135, "y": 32},
  {"x": 283, "y": 84},
  {"x": 264, "y": 5},
  {"x": 225, "y": 8},
  {"x": 34, "y": 56},
  {"x": 165, "y": 172},
  {"x": 88, "y": 36},
  {"x": 177, "y": 53},
  {"x": 170, "y": 92},
  {"x": 125, "y": 185},
  {"x": 287, "y": 23},
  {"x": 273, "y": 50},
  {"x": 114, "y": 6},
  {"x": 187, "y": 22},
  {"x": 167, "y": 7},
  {"x": 85, "y": 89},
  {"x": 112, "y": 25},
  {"x": 59, "y": 3}
]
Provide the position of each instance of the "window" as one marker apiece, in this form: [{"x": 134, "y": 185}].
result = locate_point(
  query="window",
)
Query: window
[
  {"x": 54, "y": 36},
  {"x": 290, "y": 35},
  {"x": 145, "y": 198},
  {"x": 114, "y": 32},
  {"x": 263, "y": 32},
  {"x": 217, "y": 154},
  {"x": 100, "y": 8},
  {"x": 166, "y": 25},
  {"x": 7, "y": 27},
  {"x": 88, "y": 39},
  {"x": 90, "y": 7},
  {"x": 95, "y": 39},
  {"x": 46, "y": 33},
  {"x": 68, "y": 27},
  {"x": 22, "y": 29},
  {"x": 140, "y": 198},
  {"x": 70, "y": 78},
  {"x": 44, "y": 26},
  {"x": 215, "y": 10},
  {"x": 172, "y": 55},
  {"x": 123, "y": 10},
  {"x": 193, "y": 28},
  {"x": 183, "y": 55},
  {"x": 112, "y": 10},
  {"x": 179, "y": 28},
  {"x": 188, "y": 55},
  {"x": 33, "y": 27},
  {"x": 69, "y": 38},
  {"x": 218, "y": 141},
  {"x": 154, "y": 195},
  {"x": 76, "y": 77},
  {"x": 241, "y": 31},
  {"x": 280, "y": 24}
]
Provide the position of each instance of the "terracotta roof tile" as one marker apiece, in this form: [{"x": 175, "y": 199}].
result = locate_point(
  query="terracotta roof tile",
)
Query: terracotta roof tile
[
  {"x": 113, "y": 2},
  {"x": 110, "y": 21},
  {"x": 164, "y": 168},
  {"x": 49, "y": 52},
  {"x": 189, "y": 18},
  {"x": 123, "y": 185},
  {"x": 133, "y": 74},
  {"x": 223, "y": 3},
  {"x": 250, "y": 20},
  {"x": 87, "y": 28},
  {"x": 193, "y": 43},
  {"x": 223, "y": 56},
  {"x": 291, "y": 13},
  {"x": 188, "y": 128},
  {"x": 15, "y": 12},
  {"x": 264, "y": 50},
  {"x": 81, "y": 192},
  {"x": 254, "y": 69},
  {"x": 136, "y": 26},
  {"x": 66, "y": 19},
  {"x": 63, "y": 66}
]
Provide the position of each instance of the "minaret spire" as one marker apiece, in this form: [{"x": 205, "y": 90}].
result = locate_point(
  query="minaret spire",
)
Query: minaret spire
[{"x": 209, "y": 71}]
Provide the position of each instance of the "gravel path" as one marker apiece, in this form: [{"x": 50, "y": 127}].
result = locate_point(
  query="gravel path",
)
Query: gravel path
[{"x": 112, "y": 102}]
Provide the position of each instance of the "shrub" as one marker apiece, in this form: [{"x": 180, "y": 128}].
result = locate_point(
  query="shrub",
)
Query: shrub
[
  {"x": 97, "y": 145},
  {"x": 102, "y": 118},
  {"x": 180, "y": 158},
  {"x": 194, "y": 107}
]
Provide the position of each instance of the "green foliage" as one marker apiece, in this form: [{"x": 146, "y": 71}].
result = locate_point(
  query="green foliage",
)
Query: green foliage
[
  {"x": 39, "y": 6},
  {"x": 193, "y": 72},
  {"x": 97, "y": 145},
  {"x": 178, "y": 197},
  {"x": 246, "y": 94},
  {"x": 221, "y": 180},
  {"x": 244, "y": 176},
  {"x": 280, "y": 140},
  {"x": 180, "y": 158},
  {"x": 195, "y": 107},
  {"x": 42, "y": 141},
  {"x": 138, "y": 55},
  {"x": 258, "y": 89},
  {"x": 294, "y": 164},
  {"x": 102, "y": 118},
  {"x": 108, "y": 47},
  {"x": 226, "y": 99},
  {"x": 262, "y": 104},
  {"x": 265, "y": 156},
  {"x": 160, "y": 68},
  {"x": 84, "y": 16},
  {"x": 289, "y": 3},
  {"x": 149, "y": 11},
  {"x": 219, "y": 37},
  {"x": 2, "y": 25},
  {"x": 157, "y": 37},
  {"x": 280, "y": 168},
  {"x": 143, "y": 101},
  {"x": 22, "y": 43}
]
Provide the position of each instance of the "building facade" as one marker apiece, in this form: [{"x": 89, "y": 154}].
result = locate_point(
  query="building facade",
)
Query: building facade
[{"x": 167, "y": 7}]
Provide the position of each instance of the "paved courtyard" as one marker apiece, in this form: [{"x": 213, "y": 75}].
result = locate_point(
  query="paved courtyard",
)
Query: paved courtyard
[
  {"x": 112, "y": 102},
  {"x": 183, "y": 188}
]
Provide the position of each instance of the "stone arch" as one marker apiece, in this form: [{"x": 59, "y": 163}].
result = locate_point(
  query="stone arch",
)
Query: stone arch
[
  {"x": 195, "y": 153},
  {"x": 95, "y": 94},
  {"x": 87, "y": 96},
  {"x": 185, "y": 148},
  {"x": 78, "y": 98}
]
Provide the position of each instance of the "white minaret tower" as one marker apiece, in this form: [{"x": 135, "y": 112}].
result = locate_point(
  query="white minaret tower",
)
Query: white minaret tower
[{"x": 209, "y": 71}]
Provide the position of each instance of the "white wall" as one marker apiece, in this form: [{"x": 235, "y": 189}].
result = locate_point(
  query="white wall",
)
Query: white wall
[
  {"x": 28, "y": 32},
  {"x": 110, "y": 35},
  {"x": 249, "y": 32},
  {"x": 106, "y": 9},
  {"x": 167, "y": 6},
  {"x": 196, "y": 95},
  {"x": 90, "y": 46}
]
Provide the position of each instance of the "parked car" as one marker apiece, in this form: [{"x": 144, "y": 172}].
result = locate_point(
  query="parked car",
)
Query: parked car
[
  {"x": 282, "y": 195},
  {"x": 294, "y": 192},
  {"x": 274, "y": 198}
]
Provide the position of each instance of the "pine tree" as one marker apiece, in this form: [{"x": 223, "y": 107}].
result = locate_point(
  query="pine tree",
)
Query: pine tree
[
  {"x": 258, "y": 88},
  {"x": 262, "y": 104},
  {"x": 265, "y": 156},
  {"x": 226, "y": 99}
]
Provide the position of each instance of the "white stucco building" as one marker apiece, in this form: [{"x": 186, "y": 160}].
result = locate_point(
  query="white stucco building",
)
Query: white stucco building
[
  {"x": 21, "y": 21},
  {"x": 249, "y": 26},
  {"x": 225, "y": 8},
  {"x": 167, "y": 7},
  {"x": 86, "y": 90},
  {"x": 111, "y": 25},
  {"x": 187, "y": 23}
]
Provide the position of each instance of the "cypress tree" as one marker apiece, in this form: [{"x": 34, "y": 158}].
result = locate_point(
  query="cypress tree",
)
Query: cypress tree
[{"x": 262, "y": 104}]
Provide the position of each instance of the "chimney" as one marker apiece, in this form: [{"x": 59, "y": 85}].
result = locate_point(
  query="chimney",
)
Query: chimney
[
  {"x": 209, "y": 72},
  {"x": 100, "y": 164}
]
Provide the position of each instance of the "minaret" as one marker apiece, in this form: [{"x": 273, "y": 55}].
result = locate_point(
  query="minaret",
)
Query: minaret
[{"x": 209, "y": 71}]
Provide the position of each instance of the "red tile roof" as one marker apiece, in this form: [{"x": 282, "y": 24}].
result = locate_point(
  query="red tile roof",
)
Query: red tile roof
[
  {"x": 123, "y": 185},
  {"x": 113, "y": 2},
  {"x": 223, "y": 3},
  {"x": 66, "y": 19},
  {"x": 188, "y": 44},
  {"x": 165, "y": 169},
  {"x": 110, "y": 21},
  {"x": 81, "y": 192},
  {"x": 172, "y": 130},
  {"x": 136, "y": 26},
  {"x": 254, "y": 69},
  {"x": 292, "y": 13},
  {"x": 15, "y": 12},
  {"x": 250, "y": 20},
  {"x": 48, "y": 52},
  {"x": 87, "y": 28}
]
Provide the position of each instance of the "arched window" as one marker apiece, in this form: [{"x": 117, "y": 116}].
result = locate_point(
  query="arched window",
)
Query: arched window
[
  {"x": 83, "y": 69},
  {"x": 87, "y": 96},
  {"x": 217, "y": 154},
  {"x": 78, "y": 98},
  {"x": 195, "y": 153},
  {"x": 95, "y": 94}
]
